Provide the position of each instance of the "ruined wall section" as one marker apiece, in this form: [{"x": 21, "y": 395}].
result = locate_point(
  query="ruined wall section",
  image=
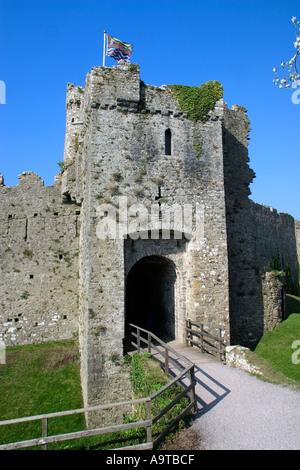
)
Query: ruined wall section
[
  {"x": 246, "y": 304},
  {"x": 124, "y": 157},
  {"x": 77, "y": 121},
  {"x": 274, "y": 231},
  {"x": 39, "y": 257},
  {"x": 255, "y": 232}
]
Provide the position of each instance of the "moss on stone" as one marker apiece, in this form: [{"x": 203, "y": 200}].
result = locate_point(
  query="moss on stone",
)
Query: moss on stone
[{"x": 197, "y": 101}]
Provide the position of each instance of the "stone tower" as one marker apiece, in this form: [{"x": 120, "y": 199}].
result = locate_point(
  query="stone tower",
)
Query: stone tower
[{"x": 132, "y": 157}]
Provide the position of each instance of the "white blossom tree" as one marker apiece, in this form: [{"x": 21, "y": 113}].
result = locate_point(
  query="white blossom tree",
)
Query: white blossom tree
[{"x": 290, "y": 70}]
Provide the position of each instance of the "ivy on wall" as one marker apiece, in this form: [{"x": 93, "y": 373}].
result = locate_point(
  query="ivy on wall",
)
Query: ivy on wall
[
  {"x": 283, "y": 267},
  {"x": 197, "y": 101}
]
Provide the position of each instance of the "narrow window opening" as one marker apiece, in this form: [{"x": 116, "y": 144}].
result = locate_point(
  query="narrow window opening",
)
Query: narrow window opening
[
  {"x": 55, "y": 213},
  {"x": 60, "y": 256},
  {"x": 168, "y": 142},
  {"x": 35, "y": 215},
  {"x": 30, "y": 276},
  {"x": 26, "y": 230},
  {"x": 158, "y": 199}
]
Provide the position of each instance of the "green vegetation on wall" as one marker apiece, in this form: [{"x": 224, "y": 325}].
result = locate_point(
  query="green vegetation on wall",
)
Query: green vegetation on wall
[
  {"x": 283, "y": 268},
  {"x": 198, "y": 101},
  {"x": 276, "y": 346}
]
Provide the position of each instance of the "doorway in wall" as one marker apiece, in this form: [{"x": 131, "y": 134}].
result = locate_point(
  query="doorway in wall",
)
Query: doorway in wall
[{"x": 150, "y": 296}]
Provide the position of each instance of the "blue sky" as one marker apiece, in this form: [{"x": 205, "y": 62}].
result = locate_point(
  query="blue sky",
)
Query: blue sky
[{"x": 44, "y": 44}]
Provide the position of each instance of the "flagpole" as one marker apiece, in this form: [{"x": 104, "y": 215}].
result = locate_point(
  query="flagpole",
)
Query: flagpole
[{"x": 104, "y": 40}]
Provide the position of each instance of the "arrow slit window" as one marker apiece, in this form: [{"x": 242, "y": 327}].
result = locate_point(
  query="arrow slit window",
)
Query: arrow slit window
[{"x": 168, "y": 142}]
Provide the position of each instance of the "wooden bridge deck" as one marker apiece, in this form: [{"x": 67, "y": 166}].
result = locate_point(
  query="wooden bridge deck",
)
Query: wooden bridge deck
[{"x": 209, "y": 390}]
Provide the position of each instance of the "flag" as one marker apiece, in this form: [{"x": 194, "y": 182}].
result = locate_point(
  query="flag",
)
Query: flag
[{"x": 118, "y": 50}]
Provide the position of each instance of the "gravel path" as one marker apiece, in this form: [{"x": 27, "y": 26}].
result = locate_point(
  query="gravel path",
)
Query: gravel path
[{"x": 237, "y": 411}]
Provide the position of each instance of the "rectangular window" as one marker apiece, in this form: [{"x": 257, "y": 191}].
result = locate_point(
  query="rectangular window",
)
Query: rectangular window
[{"x": 168, "y": 142}]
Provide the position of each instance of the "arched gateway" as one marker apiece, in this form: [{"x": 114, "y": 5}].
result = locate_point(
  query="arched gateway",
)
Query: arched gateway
[{"x": 150, "y": 296}]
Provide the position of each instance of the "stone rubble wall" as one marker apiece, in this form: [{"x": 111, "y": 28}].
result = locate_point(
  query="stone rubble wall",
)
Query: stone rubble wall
[
  {"x": 274, "y": 230},
  {"x": 273, "y": 292},
  {"x": 254, "y": 234},
  {"x": 39, "y": 263},
  {"x": 236, "y": 356}
]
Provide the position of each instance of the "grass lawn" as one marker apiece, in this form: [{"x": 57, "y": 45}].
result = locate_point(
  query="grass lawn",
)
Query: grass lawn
[
  {"x": 276, "y": 346},
  {"x": 45, "y": 378},
  {"x": 38, "y": 379}
]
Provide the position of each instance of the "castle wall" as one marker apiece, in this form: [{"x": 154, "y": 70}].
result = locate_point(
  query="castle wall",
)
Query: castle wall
[
  {"x": 39, "y": 263},
  {"x": 254, "y": 232},
  {"x": 274, "y": 231}
]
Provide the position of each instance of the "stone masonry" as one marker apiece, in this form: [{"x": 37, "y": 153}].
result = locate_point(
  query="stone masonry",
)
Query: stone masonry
[
  {"x": 39, "y": 263},
  {"x": 97, "y": 250}
]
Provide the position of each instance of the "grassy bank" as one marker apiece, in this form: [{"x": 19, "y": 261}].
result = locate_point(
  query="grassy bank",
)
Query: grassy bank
[
  {"x": 38, "y": 379},
  {"x": 45, "y": 378},
  {"x": 275, "y": 347},
  {"x": 148, "y": 377}
]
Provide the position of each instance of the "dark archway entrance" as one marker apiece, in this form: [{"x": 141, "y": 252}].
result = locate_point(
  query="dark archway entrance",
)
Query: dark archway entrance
[{"x": 150, "y": 296}]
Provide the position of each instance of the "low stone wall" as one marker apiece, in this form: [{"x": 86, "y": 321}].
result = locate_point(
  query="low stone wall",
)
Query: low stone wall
[
  {"x": 236, "y": 357},
  {"x": 273, "y": 291}
]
